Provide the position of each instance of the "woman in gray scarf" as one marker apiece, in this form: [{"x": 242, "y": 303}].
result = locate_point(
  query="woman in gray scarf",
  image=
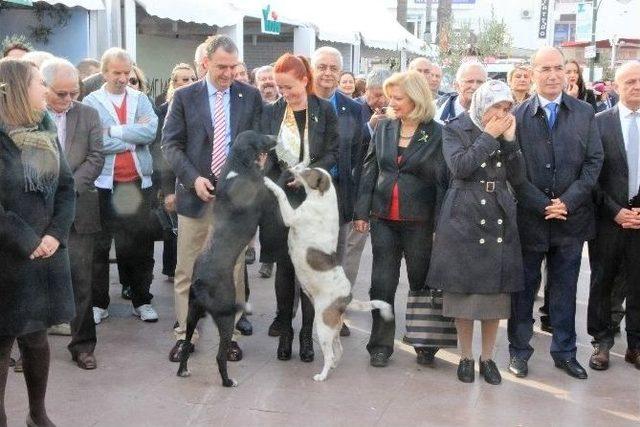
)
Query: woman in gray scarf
[{"x": 476, "y": 257}]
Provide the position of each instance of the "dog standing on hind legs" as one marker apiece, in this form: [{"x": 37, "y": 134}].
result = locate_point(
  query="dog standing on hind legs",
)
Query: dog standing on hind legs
[
  {"x": 239, "y": 198},
  {"x": 313, "y": 241}
]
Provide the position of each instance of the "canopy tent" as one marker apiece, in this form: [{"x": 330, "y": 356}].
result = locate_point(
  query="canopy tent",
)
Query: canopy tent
[
  {"x": 86, "y": 4},
  {"x": 210, "y": 12}
]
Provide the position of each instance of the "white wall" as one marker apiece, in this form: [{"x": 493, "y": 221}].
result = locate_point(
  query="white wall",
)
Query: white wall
[{"x": 70, "y": 42}]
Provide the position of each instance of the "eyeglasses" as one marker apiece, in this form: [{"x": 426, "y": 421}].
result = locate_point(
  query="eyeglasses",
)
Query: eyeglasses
[
  {"x": 324, "y": 67},
  {"x": 133, "y": 81},
  {"x": 72, "y": 94}
]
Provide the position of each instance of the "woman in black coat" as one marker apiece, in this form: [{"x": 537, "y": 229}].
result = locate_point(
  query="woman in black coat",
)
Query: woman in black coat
[
  {"x": 477, "y": 260},
  {"x": 37, "y": 202},
  {"x": 403, "y": 180},
  {"x": 576, "y": 86},
  {"x": 306, "y": 130}
]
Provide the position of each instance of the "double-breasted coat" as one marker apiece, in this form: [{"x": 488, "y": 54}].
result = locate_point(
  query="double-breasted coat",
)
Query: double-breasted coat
[
  {"x": 476, "y": 246},
  {"x": 34, "y": 294}
]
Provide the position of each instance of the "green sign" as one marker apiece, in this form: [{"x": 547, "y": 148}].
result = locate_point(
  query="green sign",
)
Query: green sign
[
  {"x": 269, "y": 21},
  {"x": 20, "y": 2}
]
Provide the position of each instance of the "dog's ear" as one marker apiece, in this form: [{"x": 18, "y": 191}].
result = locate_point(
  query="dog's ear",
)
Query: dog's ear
[{"x": 317, "y": 180}]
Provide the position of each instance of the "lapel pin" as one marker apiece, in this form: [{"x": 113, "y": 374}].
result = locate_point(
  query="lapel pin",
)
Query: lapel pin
[
  {"x": 239, "y": 95},
  {"x": 315, "y": 119},
  {"x": 343, "y": 109}
]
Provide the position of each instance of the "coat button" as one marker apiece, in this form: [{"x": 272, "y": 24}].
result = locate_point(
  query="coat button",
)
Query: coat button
[
  {"x": 483, "y": 222},
  {"x": 548, "y": 166},
  {"x": 481, "y": 241},
  {"x": 483, "y": 202},
  {"x": 500, "y": 222},
  {"x": 483, "y": 165},
  {"x": 499, "y": 240},
  {"x": 499, "y": 165}
]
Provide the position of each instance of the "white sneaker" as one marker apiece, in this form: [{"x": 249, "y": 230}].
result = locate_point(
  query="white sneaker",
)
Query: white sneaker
[
  {"x": 99, "y": 314},
  {"x": 63, "y": 329},
  {"x": 146, "y": 312}
]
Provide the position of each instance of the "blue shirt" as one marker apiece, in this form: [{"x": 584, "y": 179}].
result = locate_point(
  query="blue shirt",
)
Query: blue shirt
[{"x": 226, "y": 104}]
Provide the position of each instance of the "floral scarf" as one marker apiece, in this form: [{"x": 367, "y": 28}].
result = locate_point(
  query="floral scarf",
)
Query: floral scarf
[{"x": 288, "y": 141}]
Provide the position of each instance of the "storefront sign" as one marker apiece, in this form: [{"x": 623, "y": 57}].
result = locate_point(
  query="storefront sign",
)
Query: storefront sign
[
  {"x": 544, "y": 19},
  {"x": 584, "y": 18},
  {"x": 269, "y": 21},
  {"x": 590, "y": 51}
]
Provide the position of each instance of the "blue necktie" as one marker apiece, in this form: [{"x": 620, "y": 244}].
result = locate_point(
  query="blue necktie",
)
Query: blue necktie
[
  {"x": 551, "y": 118},
  {"x": 633, "y": 153}
]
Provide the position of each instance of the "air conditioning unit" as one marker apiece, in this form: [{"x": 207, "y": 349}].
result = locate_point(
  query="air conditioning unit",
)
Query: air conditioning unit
[{"x": 526, "y": 13}]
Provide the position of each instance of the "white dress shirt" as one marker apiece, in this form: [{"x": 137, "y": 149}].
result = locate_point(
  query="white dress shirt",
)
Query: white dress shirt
[
  {"x": 544, "y": 102},
  {"x": 625, "y": 121}
]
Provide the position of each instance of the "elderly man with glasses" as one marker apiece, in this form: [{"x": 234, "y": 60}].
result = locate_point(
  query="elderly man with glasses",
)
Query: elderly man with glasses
[
  {"x": 469, "y": 77},
  {"x": 80, "y": 135}
]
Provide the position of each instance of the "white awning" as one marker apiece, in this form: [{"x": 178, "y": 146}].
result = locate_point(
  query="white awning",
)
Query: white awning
[
  {"x": 210, "y": 12},
  {"x": 86, "y": 4}
]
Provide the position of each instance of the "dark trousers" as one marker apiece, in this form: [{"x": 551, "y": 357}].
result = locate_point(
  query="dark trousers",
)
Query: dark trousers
[
  {"x": 83, "y": 328},
  {"x": 564, "y": 268},
  {"x": 614, "y": 250},
  {"x": 169, "y": 254},
  {"x": 125, "y": 214},
  {"x": 285, "y": 282},
  {"x": 391, "y": 240}
]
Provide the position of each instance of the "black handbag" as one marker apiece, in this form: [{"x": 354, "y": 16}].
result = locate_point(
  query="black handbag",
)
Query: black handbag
[
  {"x": 426, "y": 326},
  {"x": 163, "y": 225}
]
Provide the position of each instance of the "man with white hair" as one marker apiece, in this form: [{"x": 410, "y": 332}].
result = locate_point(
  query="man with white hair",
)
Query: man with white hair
[
  {"x": 80, "y": 136},
  {"x": 435, "y": 79},
  {"x": 37, "y": 57},
  {"x": 266, "y": 83},
  {"x": 125, "y": 189},
  {"x": 469, "y": 77},
  {"x": 199, "y": 59},
  {"x": 326, "y": 63},
  {"x": 421, "y": 65}
]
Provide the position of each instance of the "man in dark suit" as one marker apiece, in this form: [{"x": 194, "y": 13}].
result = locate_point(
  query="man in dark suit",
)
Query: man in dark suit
[
  {"x": 80, "y": 135},
  {"x": 563, "y": 156},
  {"x": 617, "y": 242},
  {"x": 203, "y": 120},
  {"x": 327, "y": 66}
]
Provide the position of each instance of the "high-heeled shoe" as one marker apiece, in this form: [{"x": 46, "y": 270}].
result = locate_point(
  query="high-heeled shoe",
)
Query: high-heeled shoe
[
  {"x": 284, "y": 345},
  {"x": 306, "y": 347}
]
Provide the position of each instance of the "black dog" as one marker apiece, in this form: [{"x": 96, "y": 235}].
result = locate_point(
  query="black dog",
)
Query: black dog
[{"x": 240, "y": 195}]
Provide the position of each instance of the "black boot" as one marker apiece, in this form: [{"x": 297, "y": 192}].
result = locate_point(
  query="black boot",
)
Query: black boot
[
  {"x": 306, "y": 346},
  {"x": 425, "y": 355},
  {"x": 284, "y": 344}
]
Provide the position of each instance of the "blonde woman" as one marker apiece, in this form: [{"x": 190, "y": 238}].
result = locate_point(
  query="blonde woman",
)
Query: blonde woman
[
  {"x": 403, "y": 178},
  {"x": 37, "y": 201},
  {"x": 519, "y": 80},
  {"x": 181, "y": 75}
]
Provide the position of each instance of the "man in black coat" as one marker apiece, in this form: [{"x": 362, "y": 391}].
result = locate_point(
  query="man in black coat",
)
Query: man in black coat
[
  {"x": 563, "y": 156},
  {"x": 617, "y": 242},
  {"x": 80, "y": 135},
  {"x": 203, "y": 120},
  {"x": 326, "y": 62}
]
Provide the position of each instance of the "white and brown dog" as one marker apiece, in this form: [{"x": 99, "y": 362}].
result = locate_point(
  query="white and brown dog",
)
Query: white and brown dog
[{"x": 313, "y": 240}]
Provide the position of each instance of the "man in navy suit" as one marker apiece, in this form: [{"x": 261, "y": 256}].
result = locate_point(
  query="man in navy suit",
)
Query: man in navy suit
[
  {"x": 203, "y": 120},
  {"x": 327, "y": 66},
  {"x": 563, "y": 155}
]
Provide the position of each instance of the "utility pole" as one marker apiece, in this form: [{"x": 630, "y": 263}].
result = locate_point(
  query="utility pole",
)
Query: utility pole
[
  {"x": 594, "y": 19},
  {"x": 427, "y": 22}
]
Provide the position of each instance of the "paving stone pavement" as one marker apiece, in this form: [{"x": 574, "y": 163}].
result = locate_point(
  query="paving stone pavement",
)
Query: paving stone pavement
[{"x": 136, "y": 385}]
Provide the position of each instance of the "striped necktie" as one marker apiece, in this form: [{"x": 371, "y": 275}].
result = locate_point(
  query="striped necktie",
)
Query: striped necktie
[{"x": 219, "y": 152}]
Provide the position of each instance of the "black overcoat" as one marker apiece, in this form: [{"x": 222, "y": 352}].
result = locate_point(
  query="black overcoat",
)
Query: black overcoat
[
  {"x": 34, "y": 294},
  {"x": 476, "y": 247}
]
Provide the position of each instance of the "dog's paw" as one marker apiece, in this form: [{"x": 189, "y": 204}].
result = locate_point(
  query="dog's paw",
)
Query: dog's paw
[
  {"x": 319, "y": 377},
  {"x": 230, "y": 383},
  {"x": 184, "y": 373}
]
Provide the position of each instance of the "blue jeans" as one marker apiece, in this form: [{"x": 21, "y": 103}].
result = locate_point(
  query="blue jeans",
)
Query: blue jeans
[{"x": 564, "y": 268}]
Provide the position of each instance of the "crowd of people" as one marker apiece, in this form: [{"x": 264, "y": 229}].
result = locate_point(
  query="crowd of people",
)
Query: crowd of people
[{"x": 488, "y": 193}]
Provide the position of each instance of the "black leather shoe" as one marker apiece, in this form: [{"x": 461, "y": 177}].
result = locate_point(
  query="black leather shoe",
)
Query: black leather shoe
[
  {"x": 545, "y": 324},
  {"x": 306, "y": 347},
  {"x": 379, "y": 359},
  {"x": 176, "y": 352},
  {"x": 275, "y": 327},
  {"x": 234, "y": 353},
  {"x": 466, "y": 371},
  {"x": 244, "y": 326},
  {"x": 284, "y": 345},
  {"x": 572, "y": 367},
  {"x": 518, "y": 367},
  {"x": 126, "y": 292},
  {"x": 490, "y": 372},
  {"x": 425, "y": 355},
  {"x": 250, "y": 256},
  {"x": 266, "y": 269},
  {"x": 345, "y": 331}
]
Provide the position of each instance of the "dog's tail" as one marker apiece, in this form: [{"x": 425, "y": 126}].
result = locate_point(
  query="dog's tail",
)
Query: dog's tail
[{"x": 385, "y": 308}]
